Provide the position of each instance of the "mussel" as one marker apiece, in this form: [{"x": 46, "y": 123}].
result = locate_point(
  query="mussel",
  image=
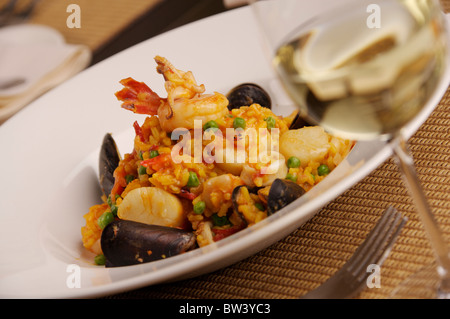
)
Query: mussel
[
  {"x": 108, "y": 161},
  {"x": 127, "y": 242},
  {"x": 247, "y": 94},
  {"x": 299, "y": 122},
  {"x": 282, "y": 192},
  {"x": 235, "y": 194}
]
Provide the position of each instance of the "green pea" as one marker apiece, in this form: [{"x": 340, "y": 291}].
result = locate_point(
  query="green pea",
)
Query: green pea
[
  {"x": 323, "y": 170},
  {"x": 193, "y": 180},
  {"x": 153, "y": 153},
  {"x": 142, "y": 170},
  {"x": 291, "y": 177},
  {"x": 220, "y": 221},
  {"x": 114, "y": 210},
  {"x": 129, "y": 178},
  {"x": 109, "y": 201},
  {"x": 293, "y": 162},
  {"x": 239, "y": 122},
  {"x": 260, "y": 206},
  {"x": 270, "y": 122},
  {"x": 211, "y": 124},
  {"x": 106, "y": 218},
  {"x": 199, "y": 207},
  {"x": 100, "y": 259}
]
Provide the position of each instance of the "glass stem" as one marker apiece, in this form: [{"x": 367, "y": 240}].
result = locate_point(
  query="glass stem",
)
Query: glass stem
[{"x": 438, "y": 243}]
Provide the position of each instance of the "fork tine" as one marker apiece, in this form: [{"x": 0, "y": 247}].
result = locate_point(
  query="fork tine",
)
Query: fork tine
[
  {"x": 350, "y": 279},
  {"x": 371, "y": 250}
]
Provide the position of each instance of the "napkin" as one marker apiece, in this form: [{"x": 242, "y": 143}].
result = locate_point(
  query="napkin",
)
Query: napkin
[{"x": 29, "y": 69}]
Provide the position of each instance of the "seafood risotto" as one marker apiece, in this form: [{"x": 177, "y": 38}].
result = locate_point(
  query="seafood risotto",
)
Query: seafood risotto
[{"x": 202, "y": 167}]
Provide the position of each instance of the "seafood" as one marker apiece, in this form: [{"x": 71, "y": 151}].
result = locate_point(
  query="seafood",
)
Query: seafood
[
  {"x": 263, "y": 175},
  {"x": 307, "y": 144},
  {"x": 157, "y": 202},
  {"x": 217, "y": 192},
  {"x": 108, "y": 162},
  {"x": 125, "y": 242},
  {"x": 152, "y": 205},
  {"x": 282, "y": 193},
  {"x": 247, "y": 94},
  {"x": 185, "y": 102},
  {"x": 298, "y": 122},
  {"x": 252, "y": 204},
  {"x": 244, "y": 199}
]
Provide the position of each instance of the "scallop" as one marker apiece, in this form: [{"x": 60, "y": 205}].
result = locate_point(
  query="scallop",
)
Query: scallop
[
  {"x": 307, "y": 144},
  {"x": 152, "y": 205}
]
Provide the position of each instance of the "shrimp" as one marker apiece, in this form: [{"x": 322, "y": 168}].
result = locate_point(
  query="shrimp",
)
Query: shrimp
[
  {"x": 185, "y": 101},
  {"x": 217, "y": 192},
  {"x": 264, "y": 174}
]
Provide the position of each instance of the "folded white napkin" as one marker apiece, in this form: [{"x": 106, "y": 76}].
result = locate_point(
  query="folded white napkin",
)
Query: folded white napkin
[{"x": 29, "y": 67}]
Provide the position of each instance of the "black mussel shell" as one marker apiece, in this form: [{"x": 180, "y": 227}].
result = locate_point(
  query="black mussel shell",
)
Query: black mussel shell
[
  {"x": 108, "y": 161},
  {"x": 299, "y": 122},
  {"x": 247, "y": 94},
  {"x": 235, "y": 193},
  {"x": 282, "y": 192},
  {"x": 125, "y": 242}
]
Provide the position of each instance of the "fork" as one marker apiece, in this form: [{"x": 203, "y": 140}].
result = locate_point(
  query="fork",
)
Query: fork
[
  {"x": 352, "y": 277},
  {"x": 9, "y": 14}
]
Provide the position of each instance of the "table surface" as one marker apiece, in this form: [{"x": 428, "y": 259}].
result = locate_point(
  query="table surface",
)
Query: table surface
[
  {"x": 314, "y": 252},
  {"x": 108, "y": 27}
]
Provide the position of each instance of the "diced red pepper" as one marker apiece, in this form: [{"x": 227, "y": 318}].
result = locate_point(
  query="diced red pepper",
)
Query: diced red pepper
[
  {"x": 188, "y": 195},
  {"x": 138, "y": 131},
  {"x": 119, "y": 182},
  {"x": 157, "y": 162},
  {"x": 223, "y": 233}
]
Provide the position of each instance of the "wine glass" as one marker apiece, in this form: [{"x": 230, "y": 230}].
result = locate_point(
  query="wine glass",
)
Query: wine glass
[{"x": 363, "y": 70}]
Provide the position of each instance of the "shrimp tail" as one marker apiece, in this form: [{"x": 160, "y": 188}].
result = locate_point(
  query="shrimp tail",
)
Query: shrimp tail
[
  {"x": 183, "y": 83},
  {"x": 138, "y": 97}
]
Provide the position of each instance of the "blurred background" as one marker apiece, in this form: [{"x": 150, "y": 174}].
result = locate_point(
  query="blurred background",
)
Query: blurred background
[
  {"x": 67, "y": 36},
  {"x": 109, "y": 26}
]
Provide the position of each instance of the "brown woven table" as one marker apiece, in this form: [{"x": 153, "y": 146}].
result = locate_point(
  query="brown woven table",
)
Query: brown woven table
[
  {"x": 315, "y": 251},
  {"x": 101, "y": 20}
]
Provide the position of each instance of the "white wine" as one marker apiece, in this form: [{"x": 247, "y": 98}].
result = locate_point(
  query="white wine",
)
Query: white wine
[{"x": 360, "y": 82}]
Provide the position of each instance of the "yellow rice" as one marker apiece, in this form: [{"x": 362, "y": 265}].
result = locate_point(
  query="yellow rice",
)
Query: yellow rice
[{"x": 174, "y": 177}]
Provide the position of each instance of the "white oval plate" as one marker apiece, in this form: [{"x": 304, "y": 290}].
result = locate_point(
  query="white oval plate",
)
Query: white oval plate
[
  {"x": 49, "y": 154},
  {"x": 21, "y": 34}
]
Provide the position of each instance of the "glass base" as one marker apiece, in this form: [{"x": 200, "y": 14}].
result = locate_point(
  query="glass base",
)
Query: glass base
[{"x": 423, "y": 284}]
